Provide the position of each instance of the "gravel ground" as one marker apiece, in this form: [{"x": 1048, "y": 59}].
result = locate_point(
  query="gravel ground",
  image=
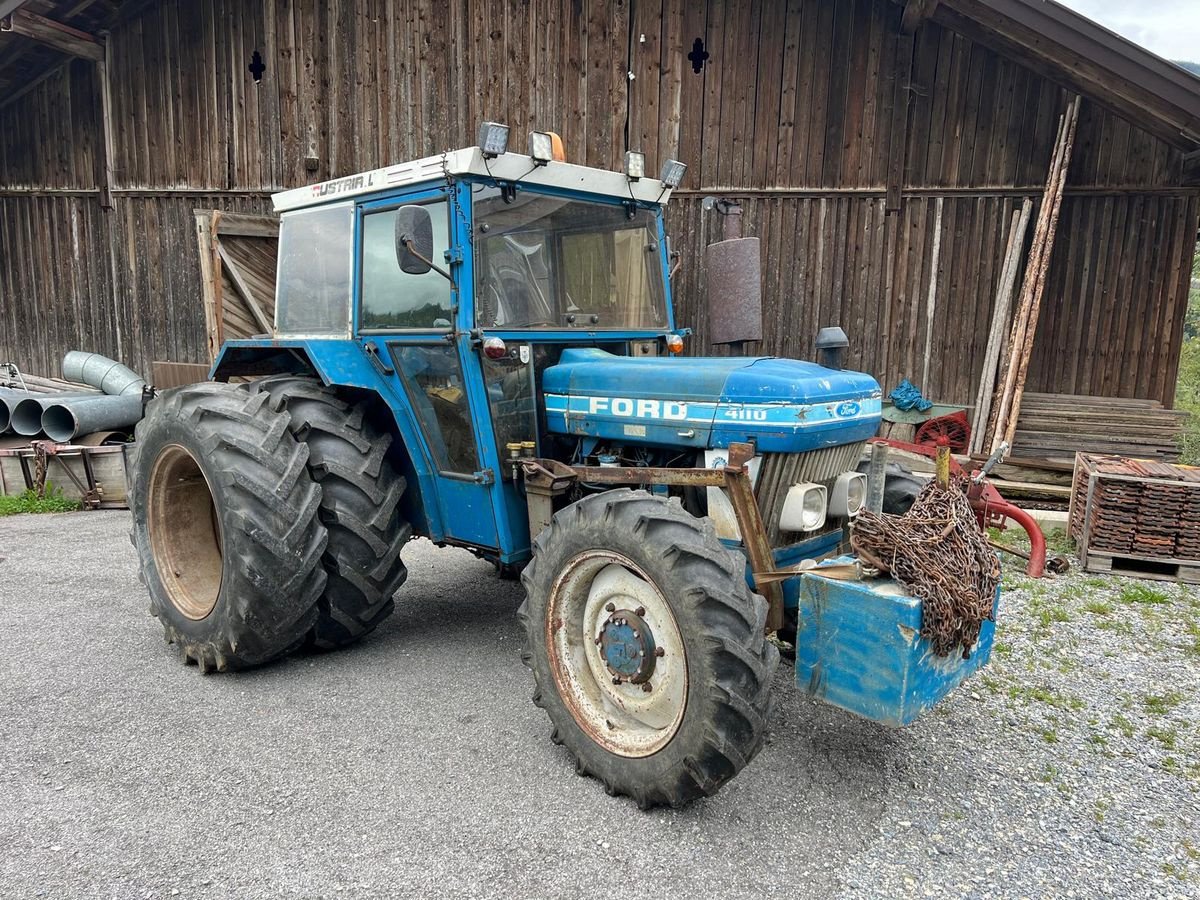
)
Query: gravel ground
[{"x": 1070, "y": 768}]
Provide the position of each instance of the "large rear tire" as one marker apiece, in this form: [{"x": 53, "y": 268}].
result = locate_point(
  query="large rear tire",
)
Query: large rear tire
[
  {"x": 360, "y": 506},
  {"x": 225, "y": 524},
  {"x": 647, "y": 647}
]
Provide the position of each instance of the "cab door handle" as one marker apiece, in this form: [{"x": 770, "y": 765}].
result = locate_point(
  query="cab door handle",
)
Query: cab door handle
[{"x": 377, "y": 360}]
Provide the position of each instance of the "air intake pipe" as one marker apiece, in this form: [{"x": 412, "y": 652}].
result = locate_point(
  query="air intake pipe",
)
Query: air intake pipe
[{"x": 101, "y": 372}]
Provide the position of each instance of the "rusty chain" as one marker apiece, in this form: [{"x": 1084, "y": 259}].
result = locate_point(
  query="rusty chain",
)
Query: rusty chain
[{"x": 939, "y": 553}]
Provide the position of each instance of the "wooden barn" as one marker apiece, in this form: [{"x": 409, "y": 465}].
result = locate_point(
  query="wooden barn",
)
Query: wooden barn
[{"x": 878, "y": 148}]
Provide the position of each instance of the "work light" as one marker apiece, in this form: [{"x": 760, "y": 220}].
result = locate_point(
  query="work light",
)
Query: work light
[
  {"x": 849, "y": 495},
  {"x": 542, "y": 147},
  {"x": 635, "y": 165},
  {"x": 803, "y": 508},
  {"x": 493, "y": 139},
  {"x": 672, "y": 173}
]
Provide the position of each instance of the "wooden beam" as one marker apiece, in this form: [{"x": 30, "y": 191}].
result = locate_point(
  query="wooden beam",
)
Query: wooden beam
[
  {"x": 916, "y": 12},
  {"x": 62, "y": 38}
]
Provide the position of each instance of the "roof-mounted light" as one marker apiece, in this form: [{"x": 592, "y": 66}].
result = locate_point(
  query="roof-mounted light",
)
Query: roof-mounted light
[
  {"x": 672, "y": 173},
  {"x": 545, "y": 146},
  {"x": 635, "y": 165},
  {"x": 493, "y": 139}
]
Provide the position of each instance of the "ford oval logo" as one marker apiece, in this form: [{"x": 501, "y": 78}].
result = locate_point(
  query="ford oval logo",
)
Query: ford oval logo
[{"x": 847, "y": 409}]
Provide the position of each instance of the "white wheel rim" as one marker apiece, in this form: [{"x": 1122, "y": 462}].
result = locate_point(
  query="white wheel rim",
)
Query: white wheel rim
[{"x": 623, "y": 718}]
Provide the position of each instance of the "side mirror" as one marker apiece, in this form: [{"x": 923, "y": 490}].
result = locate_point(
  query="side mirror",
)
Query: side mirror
[{"x": 414, "y": 240}]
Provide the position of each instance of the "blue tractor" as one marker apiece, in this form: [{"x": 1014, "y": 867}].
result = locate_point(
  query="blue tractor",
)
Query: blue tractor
[{"x": 479, "y": 348}]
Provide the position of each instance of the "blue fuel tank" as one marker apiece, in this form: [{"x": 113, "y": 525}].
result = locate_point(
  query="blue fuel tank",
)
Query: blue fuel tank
[{"x": 783, "y": 405}]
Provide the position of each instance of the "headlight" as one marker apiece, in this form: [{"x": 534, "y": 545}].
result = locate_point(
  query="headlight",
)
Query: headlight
[
  {"x": 849, "y": 495},
  {"x": 803, "y": 508}
]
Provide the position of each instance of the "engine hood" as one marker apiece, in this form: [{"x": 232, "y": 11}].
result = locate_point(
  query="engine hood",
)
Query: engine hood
[{"x": 783, "y": 405}]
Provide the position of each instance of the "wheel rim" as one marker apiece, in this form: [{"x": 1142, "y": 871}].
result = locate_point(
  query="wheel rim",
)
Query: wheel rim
[
  {"x": 185, "y": 532},
  {"x": 617, "y": 654}
]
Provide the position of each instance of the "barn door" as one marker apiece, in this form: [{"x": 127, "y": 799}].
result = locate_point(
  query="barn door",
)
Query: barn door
[{"x": 237, "y": 274}]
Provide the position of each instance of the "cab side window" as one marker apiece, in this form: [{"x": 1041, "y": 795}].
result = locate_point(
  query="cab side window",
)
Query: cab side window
[{"x": 391, "y": 299}]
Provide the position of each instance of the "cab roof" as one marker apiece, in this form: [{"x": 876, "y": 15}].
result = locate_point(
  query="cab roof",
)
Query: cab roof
[{"x": 510, "y": 167}]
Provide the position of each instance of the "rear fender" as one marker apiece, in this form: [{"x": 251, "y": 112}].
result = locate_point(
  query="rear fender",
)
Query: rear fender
[{"x": 341, "y": 363}]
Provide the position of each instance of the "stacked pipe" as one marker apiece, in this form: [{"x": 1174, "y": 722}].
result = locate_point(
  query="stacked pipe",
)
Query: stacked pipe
[
  {"x": 120, "y": 405},
  {"x": 66, "y": 416}
]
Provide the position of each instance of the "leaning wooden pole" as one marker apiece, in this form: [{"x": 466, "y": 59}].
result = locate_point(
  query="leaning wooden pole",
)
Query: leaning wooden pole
[
  {"x": 997, "y": 422},
  {"x": 1002, "y": 421},
  {"x": 1026, "y": 353},
  {"x": 1000, "y": 313}
]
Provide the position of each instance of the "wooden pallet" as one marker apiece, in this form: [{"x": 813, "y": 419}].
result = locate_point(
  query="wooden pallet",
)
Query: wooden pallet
[
  {"x": 1154, "y": 568},
  {"x": 1136, "y": 517}
]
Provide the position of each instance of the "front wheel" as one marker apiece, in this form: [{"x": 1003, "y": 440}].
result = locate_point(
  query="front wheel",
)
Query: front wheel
[{"x": 647, "y": 647}]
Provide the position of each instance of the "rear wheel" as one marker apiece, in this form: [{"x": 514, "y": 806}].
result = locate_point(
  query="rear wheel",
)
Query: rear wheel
[
  {"x": 647, "y": 647},
  {"x": 225, "y": 525},
  {"x": 360, "y": 506}
]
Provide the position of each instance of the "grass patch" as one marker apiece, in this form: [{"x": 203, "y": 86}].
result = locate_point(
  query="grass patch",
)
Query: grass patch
[
  {"x": 1123, "y": 725},
  {"x": 1045, "y": 695},
  {"x": 1165, "y": 736},
  {"x": 1173, "y": 870},
  {"x": 1161, "y": 704},
  {"x": 1058, "y": 541},
  {"x": 1048, "y": 615},
  {"x": 1098, "y": 607},
  {"x": 30, "y": 502},
  {"x": 1193, "y": 630},
  {"x": 1140, "y": 593},
  {"x": 1116, "y": 625}
]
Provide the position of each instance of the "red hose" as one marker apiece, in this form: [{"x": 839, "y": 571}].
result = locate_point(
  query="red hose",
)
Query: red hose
[{"x": 1037, "y": 541}]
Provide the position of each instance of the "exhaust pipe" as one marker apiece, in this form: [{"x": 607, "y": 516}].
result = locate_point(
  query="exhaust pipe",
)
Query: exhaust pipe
[
  {"x": 101, "y": 372},
  {"x": 64, "y": 419}
]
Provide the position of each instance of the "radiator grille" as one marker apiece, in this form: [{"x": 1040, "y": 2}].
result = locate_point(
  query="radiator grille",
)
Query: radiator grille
[{"x": 782, "y": 470}]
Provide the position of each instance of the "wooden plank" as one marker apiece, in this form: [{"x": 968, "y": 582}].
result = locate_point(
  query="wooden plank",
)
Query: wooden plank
[{"x": 242, "y": 225}]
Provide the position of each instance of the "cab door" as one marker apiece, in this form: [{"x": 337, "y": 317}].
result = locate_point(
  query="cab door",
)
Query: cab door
[{"x": 405, "y": 325}]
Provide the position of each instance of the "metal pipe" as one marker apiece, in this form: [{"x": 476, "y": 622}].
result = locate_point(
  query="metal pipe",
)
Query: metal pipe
[
  {"x": 26, "y": 416},
  {"x": 877, "y": 476},
  {"x": 9, "y": 398},
  {"x": 69, "y": 418},
  {"x": 101, "y": 372}
]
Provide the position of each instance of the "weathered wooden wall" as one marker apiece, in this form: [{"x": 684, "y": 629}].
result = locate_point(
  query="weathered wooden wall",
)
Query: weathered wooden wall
[{"x": 793, "y": 111}]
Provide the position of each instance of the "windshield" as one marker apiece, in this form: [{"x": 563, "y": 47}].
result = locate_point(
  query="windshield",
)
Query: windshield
[{"x": 550, "y": 262}]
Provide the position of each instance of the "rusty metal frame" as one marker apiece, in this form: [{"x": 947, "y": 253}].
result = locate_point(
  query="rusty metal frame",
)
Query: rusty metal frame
[{"x": 546, "y": 479}]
